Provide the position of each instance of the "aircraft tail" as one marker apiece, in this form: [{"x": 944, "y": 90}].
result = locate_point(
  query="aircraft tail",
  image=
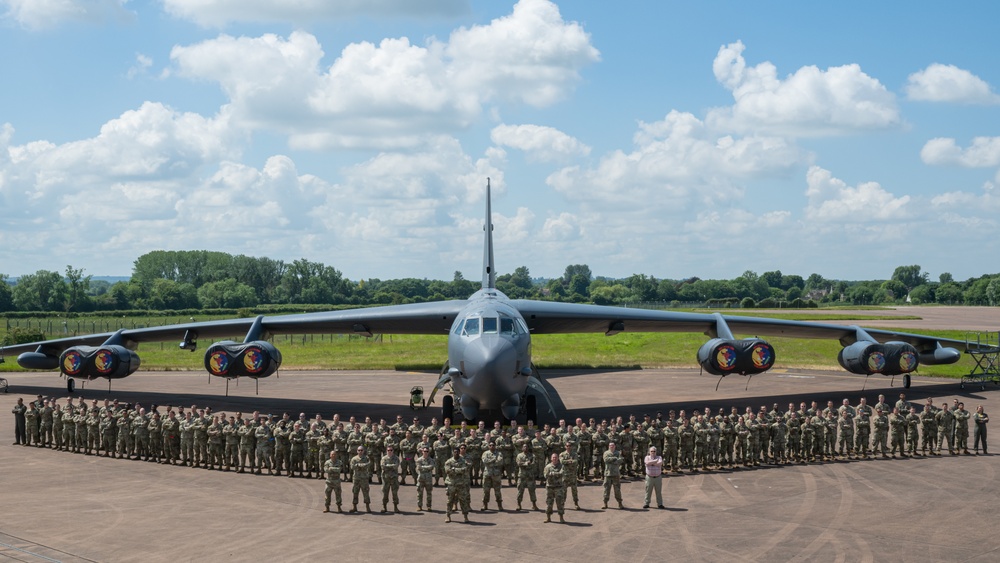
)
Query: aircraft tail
[{"x": 489, "y": 273}]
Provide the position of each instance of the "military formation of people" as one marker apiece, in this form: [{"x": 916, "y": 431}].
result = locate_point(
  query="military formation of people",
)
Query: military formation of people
[{"x": 557, "y": 458}]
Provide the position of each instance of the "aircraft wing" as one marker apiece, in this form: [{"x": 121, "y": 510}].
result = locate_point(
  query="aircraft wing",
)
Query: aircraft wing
[
  {"x": 416, "y": 318},
  {"x": 548, "y": 317}
]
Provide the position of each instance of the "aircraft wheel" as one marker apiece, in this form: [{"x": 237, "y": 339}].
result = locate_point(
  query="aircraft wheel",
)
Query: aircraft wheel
[
  {"x": 531, "y": 408},
  {"x": 906, "y": 381},
  {"x": 70, "y": 384},
  {"x": 448, "y": 408}
]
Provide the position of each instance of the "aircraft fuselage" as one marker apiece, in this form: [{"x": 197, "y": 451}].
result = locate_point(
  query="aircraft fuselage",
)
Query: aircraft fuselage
[{"x": 489, "y": 355}]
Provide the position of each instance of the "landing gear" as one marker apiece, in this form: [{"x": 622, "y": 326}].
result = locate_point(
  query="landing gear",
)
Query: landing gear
[
  {"x": 70, "y": 384},
  {"x": 531, "y": 408},
  {"x": 906, "y": 381}
]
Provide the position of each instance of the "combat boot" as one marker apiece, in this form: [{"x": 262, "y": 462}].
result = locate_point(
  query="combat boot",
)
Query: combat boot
[
  {"x": 621, "y": 506},
  {"x": 499, "y": 506},
  {"x": 368, "y": 508},
  {"x": 548, "y": 517},
  {"x": 428, "y": 507},
  {"x": 561, "y": 519},
  {"x": 339, "y": 510},
  {"x": 447, "y": 518},
  {"x": 385, "y": 508},
  {"x": 519, "y": 509},
  {"x": 577, "y": 505},
  {"x": 327, "y": 509},
  {"x": 354, "y": 509},
  {"x": 466, "y": 516},
  {"x": 605, "y": 505}
]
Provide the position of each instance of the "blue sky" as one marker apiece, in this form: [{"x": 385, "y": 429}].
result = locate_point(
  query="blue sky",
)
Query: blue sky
[{"x": 673, "y": 139}]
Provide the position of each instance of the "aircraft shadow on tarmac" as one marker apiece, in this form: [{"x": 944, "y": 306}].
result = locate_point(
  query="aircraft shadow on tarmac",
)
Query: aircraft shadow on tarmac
[{"x": 279, "y": 405}]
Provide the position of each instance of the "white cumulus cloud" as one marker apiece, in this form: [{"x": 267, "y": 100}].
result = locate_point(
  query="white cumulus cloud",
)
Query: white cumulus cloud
[
  {"x": 678, "y": 161},
  {"x": 984, "y": 152},
  {"x": 810, "y": 102},
  {"x": 541, "y": 143},
  {"x": 832, "y": 200},
  {"x": 214, "y": 13},
  {"x": 393, "y": 94},
  {"x": 948, "y": 83},
  {"x": 43, "y": 14}
]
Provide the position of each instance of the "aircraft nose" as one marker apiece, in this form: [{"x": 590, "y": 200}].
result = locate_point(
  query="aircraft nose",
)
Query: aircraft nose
[{"x": 491, "y": 356}]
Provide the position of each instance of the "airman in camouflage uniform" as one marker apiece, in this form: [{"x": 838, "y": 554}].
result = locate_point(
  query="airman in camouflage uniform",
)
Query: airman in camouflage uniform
[
  {"x": 426, "y": 466},
  {"x": 912, "y": 430},
  {"x": 457, "y": 479},
  {"x": 492, "y": 466},
  {"x": 390, "y": 479},
  {"x": 555, "y": 488},
  {"x": 155, "y": 431},
  {"x": 928, "y": 430},
  {"x": 897, "y": 428},
  {"x": 408, "y": 456},
  {"x": 332, "y": 469},
  {"x": 297, "y": 450},
  {"x": 283, "y": 447},
  {"x": 946, "y": 428},
  {"x": 686, "y": 438},
  {"x": 360, "y": 477},
  {"x": 215, "y": 438},
  {"x": 32, "y": 421},
  {"x": 526, "y": 475},
  {"x": 846, "y": 426},
  {"x": 862, "y": 431},
  {"x": 265, "y": 450},
  {"x": 312, "y": 449},
  {"x": 962, "y": 429},
  {"x": 881, "y": 423},
  {"x": 107, "y": 432},
  {"x": 442, "y": 450},
  {"x": 612, "y": 475},
  {"x": 45, "y": 424},
  {"x": 779, "y": 433},
  {"x": 171, "y": 438},
  {"x": 569, "y": 460},
  {"x": 599, "y": 444}
]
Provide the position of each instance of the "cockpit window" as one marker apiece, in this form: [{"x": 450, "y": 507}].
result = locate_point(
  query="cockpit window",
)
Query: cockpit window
[
  {"x": 489, "y": 325},
  {"x": 471, "y": 327},
  {"x": 507, "y": 325}
]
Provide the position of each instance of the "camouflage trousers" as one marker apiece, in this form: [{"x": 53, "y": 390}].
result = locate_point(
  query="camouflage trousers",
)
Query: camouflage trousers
[
  {"x": 846, "y": 442},
  {"x": 459, "y": 497},
  {"x": 557, "y": 496},
  {"x": 491, "y": 483},
  {"x": 526, "y": 483},
  {"x": 425, "y": 484},
  {"x": 390, "y": 484},
  {"x": 610, "y": 482},
  {"x": 361, "y": 486},
  {"x": 898, "y": 441},
  {"x": 333, "y": 487}
]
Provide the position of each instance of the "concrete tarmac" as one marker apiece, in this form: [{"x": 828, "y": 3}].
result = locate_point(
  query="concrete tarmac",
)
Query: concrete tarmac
[{"x": 59, "y": 506}]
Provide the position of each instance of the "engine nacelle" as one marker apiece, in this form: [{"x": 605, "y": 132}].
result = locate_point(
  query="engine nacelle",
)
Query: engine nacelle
[
  {"x": 745, "y": 357},
  {"x": 891, "y": 358},
  {"x": 90, "y": 362},
  {"x": 251, "y": 359}
]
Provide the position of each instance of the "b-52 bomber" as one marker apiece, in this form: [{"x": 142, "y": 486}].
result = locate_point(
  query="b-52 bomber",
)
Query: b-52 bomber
[{"x": 489, "y": 365}]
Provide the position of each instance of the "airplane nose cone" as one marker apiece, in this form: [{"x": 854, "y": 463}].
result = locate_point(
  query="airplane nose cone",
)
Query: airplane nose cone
[
  {"x": 491, "y": 356},
  {"x": 490, "y": 363}
]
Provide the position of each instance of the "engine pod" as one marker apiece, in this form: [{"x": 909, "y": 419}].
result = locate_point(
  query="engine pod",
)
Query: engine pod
[
  {"x": 91, "y": 362},
  {"x": 746, "y": 357},
  {"x": 251, "y": 359}
]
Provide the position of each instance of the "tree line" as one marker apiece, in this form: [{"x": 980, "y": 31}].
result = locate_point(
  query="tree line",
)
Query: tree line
[{"x": 182, "y": 280}]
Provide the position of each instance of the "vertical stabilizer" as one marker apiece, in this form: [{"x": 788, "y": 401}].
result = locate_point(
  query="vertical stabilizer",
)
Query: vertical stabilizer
[{"x": 489, "y": 273}]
